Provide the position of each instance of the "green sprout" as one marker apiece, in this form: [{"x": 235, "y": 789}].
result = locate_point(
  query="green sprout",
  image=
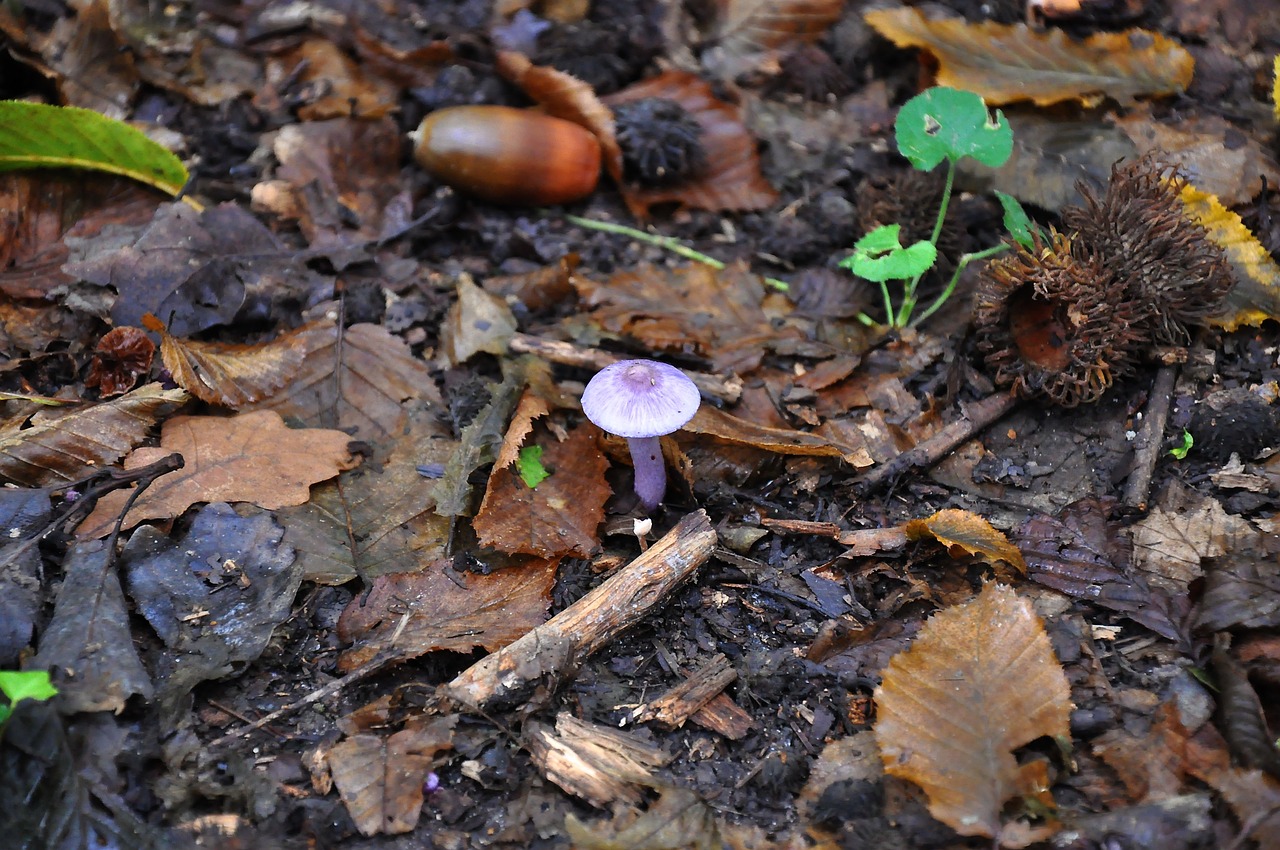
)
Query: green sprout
[
  {"x": 940, "y": 124},
  {"x": 1188, "y": 441},
  {"x": 529, "y": 465},
  {"x": 17, "y": 686}
]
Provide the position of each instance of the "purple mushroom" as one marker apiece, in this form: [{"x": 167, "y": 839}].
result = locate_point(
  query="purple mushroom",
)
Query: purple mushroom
[{"x": 642, "y": 400}]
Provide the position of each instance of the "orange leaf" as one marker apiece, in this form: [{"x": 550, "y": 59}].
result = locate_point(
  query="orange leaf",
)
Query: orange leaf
[
  {"x": 227, "y": 374},
  {"x": 445, "y": 610},
  {"x": 980, "y": 681},
  {"x": 1010, "y": 63},
  {"x": 1256, "y": 295},
  {"x": 968, "y": 532},
  {"x": 732, "y": 179},
  {"x": 253, "y": 457},
  {"x": 557, "y": 518}
]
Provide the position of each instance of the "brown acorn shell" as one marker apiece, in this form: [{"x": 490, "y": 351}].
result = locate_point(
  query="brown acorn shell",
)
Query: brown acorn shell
[{"x": 507, "y": 155}]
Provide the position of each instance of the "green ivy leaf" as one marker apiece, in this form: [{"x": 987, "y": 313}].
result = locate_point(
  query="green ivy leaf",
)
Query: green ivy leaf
[
  {"x": 879, "y": 256},
  {"x": 942, "y": 123},
  {"x": 1180, "y": 452},
  {"x": 1020, "y": 226},
  {"x": 36, "y": 135},
  {"x": 32, "y": 684},
  {"x": 529, "y": 465}
]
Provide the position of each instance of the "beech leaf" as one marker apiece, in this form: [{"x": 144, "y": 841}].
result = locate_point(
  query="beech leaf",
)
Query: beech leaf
[
  {"x": 969, "y": 533},
  {"x": 1007, "y": 63},
  {"x": 980, "y": 681},
  {"x": 65, "y": 448},
  {"x": 748, "y": 31},
  {"x": 37, "y": 135}
]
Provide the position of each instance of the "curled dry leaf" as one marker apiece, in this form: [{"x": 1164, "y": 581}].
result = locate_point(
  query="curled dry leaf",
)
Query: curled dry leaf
[
  {"x": 122, "y": 356},
  {"x": 714, "y": 422},
  {"x": 732, "y": 179},
  {"x": 980, "y": 681},
  {"x": 227, "y": 374},
  {"x": 63, "y": 449},
  {"x": 1010, "y": 63},
  {"x": 253, "y": 457},
  {"x": 751, "y": 32},
  {"x": 967, "y": 533}
]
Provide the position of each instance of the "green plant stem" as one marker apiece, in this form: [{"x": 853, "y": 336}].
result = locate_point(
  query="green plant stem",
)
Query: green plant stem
[
  {"x": 669, "y": 243},
  {"x": 903, "y": 317},
  {"x": 955, "y": 278}
]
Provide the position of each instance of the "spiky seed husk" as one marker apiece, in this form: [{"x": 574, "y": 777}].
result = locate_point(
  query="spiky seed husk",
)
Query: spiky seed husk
[
  {"x": 1053, "y": 320},
  {"x": 1163, "y": 257}
]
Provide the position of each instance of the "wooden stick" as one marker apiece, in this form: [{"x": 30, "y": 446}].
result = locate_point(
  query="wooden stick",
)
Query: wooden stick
[
  {"x": 1150, "y": 437},
  {"x": 977, "y": 417},
  {"x": 550, "y": 651}
]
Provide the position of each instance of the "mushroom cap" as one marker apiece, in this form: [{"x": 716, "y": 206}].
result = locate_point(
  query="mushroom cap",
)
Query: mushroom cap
[{"x": 640, "y": 398}]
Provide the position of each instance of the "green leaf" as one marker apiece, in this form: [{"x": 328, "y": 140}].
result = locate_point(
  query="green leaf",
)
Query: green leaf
[
  {"x": 529, "y": 465},
  {"x": 33, "y": 684},
  {"x": 1188, "y": 441},
  {"x": 36, "y": 135},
  {"x": 1016, "y": 221},
  {"x": 879, "y": 256},
  {"x": 942, "y": 123}
]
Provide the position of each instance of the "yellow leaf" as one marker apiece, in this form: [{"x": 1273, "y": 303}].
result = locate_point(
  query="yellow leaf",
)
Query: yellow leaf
[
  {"x": 968, "y": 532},
  {"x": 1010, "y": 63},
  {"x": 980, "y": 681},
  {"x": 1256, "y": 295},
  {"x": 1275, "y": 89}
]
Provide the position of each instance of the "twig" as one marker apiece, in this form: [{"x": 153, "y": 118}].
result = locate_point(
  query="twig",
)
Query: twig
[
  {"x": 550, "y": 651},
  {"x": 727, "y": 390},
  {"x": 977, "y": 417},
  {"x": 1149, "y": 440}
]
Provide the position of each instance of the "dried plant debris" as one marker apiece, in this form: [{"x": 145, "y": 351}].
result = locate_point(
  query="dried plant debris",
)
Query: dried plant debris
[
  {"x": 1052, "y": 321},
  {"x": 1161, "y": 256},
  {"x": 1067, "y": 317}
]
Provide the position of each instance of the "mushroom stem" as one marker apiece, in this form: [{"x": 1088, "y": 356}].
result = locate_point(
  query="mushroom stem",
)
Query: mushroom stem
[{"x": 651, "y": 471}]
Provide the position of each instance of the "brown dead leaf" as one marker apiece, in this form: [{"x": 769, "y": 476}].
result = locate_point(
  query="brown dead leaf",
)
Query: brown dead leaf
[
  {"x": 558, "y": 517},
  {"x": 478, "y": 321},
  {"x": 732, "y": 180},
  {"x": 530, "y": 407},
  {"x": 1256, "y": 295},
  {"x": 376, "y": 518},
  {"x": 1242, "y": 590},
  {"x": 1184, "y": 528},
  {"x": 1006, "y": 63},
  {"x": 1254, "y": 796},
  {"x": 347, "y": 89},
  {"x": 380, "y": 781},
  {"x": 365, "y": 390},
  {"x": 411, "y": 614},
  {"x": 67, "y": 447},
  {"x": 227, "y": 374},
  {"x": 252, "y": 457},
  {"x": 963, "y": 532},
  {"x": 750, "y": 32},
  {"x": 679, "y": 818},
  {"x": 716, "y": 314},
  {"x": 1153, "y": 766},
  {"x": 980, "y": 681},
  {"x": 714, "y": 422}
]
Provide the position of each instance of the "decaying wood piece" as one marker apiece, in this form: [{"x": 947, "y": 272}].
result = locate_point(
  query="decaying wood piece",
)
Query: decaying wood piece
[
  {"x": 1150, "y": 436},
  {"x": 549, "y": 652},
  {"x": 688, "y": 697},
  {"x": 977, "y": 417},
  {"x": 596, "y": 763},
  {"x": 862, "y": 542},
  {"x": 724, "y": 717},
  {"x": 727, "y": 390}
]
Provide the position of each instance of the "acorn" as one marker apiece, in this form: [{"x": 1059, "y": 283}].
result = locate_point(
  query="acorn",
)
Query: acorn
[
  {"x": 1054, "y": 320},
  {"x": 507, "y": 155}
]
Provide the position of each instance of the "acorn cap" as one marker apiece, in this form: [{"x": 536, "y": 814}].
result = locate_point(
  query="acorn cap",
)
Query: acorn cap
[{"x": 640, "y": 398}]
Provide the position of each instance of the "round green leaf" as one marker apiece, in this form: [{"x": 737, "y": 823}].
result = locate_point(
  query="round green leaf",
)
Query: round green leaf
[{"x": 942, "y": 123}]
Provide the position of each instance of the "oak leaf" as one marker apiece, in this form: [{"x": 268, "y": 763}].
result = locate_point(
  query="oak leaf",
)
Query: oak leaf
[
  {"x": 253, "y": 457},
  {"x": 1008, "y": 63},
  {"x": 980, "y": 681},
  {"x": 968, "y": 533}
]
